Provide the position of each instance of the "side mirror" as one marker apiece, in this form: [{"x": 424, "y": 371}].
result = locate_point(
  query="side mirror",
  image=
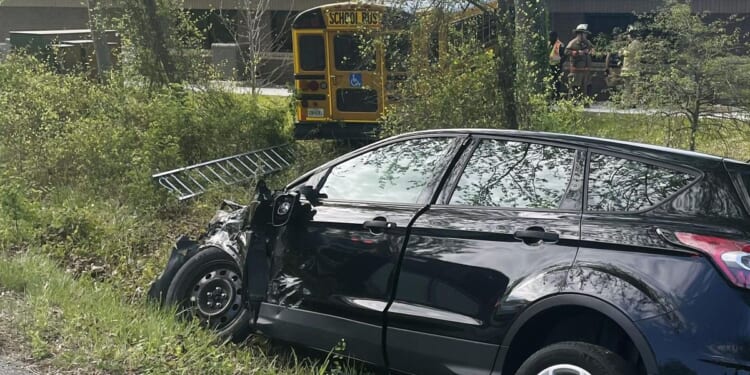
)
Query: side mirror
[{"x": 262, "y": 192}]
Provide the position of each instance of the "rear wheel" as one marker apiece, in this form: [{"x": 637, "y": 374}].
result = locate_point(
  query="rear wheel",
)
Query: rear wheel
[
  {"x": 575, "y": 358},
  {"x": 208, "y": 287}
]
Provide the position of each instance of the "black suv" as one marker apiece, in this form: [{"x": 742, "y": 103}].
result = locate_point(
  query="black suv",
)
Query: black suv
[{"x": 489, "y": 252}]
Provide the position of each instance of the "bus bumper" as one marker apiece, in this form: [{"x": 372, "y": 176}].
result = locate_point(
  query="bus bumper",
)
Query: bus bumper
[{"x": 336, "y": 130}]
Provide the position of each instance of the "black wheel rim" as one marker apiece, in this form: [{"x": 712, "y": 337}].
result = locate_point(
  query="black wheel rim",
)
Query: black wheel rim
[{"x": 216, "y": 298}]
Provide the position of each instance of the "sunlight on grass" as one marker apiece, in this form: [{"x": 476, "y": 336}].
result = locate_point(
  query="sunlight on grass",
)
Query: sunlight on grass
[
  {"x": 81, "y": 324},
  {"x": 734, "y": 144}
]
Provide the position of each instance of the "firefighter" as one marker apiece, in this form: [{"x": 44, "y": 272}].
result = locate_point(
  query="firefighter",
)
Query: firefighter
[
  {"x": 557, "y": 51},
  {"x": 631, "y": 52},
  {"x": 579, "y": 52}
]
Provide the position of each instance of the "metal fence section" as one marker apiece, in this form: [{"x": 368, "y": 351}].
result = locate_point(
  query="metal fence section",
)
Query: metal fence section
[{"x": 191, "y": 181}]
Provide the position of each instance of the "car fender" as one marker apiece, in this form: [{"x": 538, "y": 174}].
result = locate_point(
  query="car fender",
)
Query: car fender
[
  {"x": 573, "y": 299},
  {"x": 184, "y": 249},
  {"x": 622, "y": 286}
]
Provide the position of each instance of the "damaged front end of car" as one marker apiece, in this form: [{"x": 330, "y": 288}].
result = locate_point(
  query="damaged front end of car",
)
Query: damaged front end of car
[{"x": 222, "y": 277}]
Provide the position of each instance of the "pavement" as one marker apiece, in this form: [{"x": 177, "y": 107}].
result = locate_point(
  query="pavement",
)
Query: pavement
[
  {"x": 236, "y": 88},
  {"x": 598, "y": 107}
]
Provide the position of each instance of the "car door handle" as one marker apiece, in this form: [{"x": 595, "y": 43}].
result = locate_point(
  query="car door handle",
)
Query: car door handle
[
  {"x": 531, "y": 236},
  {"x": 379, "y": 224}
]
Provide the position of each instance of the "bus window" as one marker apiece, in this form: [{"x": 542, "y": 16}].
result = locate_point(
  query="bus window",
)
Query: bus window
[
  {"x": 397, "y": 50},
  {"x": 350, "y": 54},
  {"x": 312, "y": 53}
]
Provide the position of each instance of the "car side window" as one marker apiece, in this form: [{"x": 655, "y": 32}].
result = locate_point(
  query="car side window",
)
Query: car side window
[
  {"x": 618, "y": 184},
  {"x": 396, "y": 173},
  {"x": 515, "y": 174}
]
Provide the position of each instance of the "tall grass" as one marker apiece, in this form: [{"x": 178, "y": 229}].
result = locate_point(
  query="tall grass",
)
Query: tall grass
[{"x": 89, "y": 327}]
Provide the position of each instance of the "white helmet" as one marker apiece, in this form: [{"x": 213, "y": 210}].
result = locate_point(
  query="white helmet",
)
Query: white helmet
[{"x": 582, "y": 28}]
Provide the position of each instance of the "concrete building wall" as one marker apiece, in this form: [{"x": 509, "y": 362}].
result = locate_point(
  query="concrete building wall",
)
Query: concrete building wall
[{"x": 41, "y": 18}]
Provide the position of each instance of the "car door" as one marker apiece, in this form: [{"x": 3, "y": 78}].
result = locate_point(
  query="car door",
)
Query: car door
[
  {"x": 333, "y": 278},
  {"x": 502, "y": 234}
]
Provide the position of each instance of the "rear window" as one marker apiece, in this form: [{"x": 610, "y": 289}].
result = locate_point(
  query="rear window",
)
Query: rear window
[
  {"x": 353, "y": 53},
  {"x": 623, "y": 185},
  {"x": 312, "y": 53}
]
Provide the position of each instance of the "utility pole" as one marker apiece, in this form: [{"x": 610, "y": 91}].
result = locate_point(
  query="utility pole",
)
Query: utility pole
[{"x": 98, "y": 34}]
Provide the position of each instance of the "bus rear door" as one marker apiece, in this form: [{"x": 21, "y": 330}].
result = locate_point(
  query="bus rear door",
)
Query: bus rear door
[
  {"x": 356, "y": 83},
  {"x": 311, "y": 75}
]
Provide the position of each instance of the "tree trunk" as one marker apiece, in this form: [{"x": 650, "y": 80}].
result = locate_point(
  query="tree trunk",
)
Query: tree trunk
[
  {"x": 531, "y": 55},
  {"x": 506, "y": 65},
  {"x": 531, "y": 38},
  {"x": 159, "y": 41},
  {"x": 103, "y": 62},
  {"x": 694, "y": 122}
]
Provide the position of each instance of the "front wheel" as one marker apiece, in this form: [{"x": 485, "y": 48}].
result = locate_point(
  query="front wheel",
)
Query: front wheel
[
  {"x": 575, "y": 358},
  {"x": 208, "y": 287}
]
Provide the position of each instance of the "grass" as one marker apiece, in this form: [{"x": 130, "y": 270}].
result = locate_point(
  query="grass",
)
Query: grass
[
  {"x": 734, "y": 144},
  {"x": 72, "y": 318},
  {"x": 79, "y": 264},
  {"x": 88, "y": 326}
]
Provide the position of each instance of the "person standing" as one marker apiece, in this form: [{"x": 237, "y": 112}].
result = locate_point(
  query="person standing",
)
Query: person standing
[
  {"x": 557, "y": 51},
  {"x": 579, "y": 50},
  {"x": 631, "y": 54}
]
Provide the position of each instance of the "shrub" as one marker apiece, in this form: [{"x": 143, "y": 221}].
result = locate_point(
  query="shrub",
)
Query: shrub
[
  {"x": 78, "y": 156},
  {"x": 62, "y": 130}
]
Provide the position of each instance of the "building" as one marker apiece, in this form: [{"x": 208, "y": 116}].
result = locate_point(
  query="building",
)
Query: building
[{"x": 603, "y": 16}]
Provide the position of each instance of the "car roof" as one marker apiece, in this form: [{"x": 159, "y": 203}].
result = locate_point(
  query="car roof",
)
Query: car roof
[
  {"x": 606, "y": 144},
  {"x": 695, "y": 160}
]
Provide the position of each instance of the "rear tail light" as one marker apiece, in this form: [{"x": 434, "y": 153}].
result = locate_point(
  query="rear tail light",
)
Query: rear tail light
[
  {"x": 313, "y": 86},
  {"x": 731, "y": 256}
]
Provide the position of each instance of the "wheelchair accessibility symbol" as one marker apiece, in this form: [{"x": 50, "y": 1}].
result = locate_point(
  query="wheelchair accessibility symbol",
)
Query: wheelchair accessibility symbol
[{"x": 355, "y": 80}]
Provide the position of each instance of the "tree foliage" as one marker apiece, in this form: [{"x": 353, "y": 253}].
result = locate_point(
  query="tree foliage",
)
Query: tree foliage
[
  {"x": 161, "y": 41},
  {"x": 692, "y": 69},
  {"x": 478, "y": 64}
]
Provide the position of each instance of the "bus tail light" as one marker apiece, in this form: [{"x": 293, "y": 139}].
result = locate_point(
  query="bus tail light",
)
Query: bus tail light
[
  {"x": 732, "y": 257},
  {"x": 313, "y": 86}
]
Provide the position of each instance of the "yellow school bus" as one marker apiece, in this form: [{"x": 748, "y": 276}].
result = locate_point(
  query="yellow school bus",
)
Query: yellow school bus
[{"x": 342, "y": 79}]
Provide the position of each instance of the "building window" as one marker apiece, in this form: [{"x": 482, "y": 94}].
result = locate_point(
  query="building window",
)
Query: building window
[
  {"x": 281, "y": 30},
  {"x": 216, "y": 26},
  {"x": 609, "y": 23}
]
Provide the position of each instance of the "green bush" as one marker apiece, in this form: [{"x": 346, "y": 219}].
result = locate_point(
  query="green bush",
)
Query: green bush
[
  {"x": 62, "y": 130},
  {"x": 78, "y": 156}
]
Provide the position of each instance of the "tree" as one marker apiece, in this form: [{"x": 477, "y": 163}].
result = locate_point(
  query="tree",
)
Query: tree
[
  {"x": 511, "y": 33},
  {"x": 96, "y": 23},
  {"x": 691, "y": 70},
  {"x": 161, "y": 40},
  {"x": 257, "y": 39}
]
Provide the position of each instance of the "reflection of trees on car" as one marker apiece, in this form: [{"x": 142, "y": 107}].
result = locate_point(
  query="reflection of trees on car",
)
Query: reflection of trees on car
[
  {"x": 617, "y": 184},
  {"x": 516, "y": 174},
  {"x": 397, "y": 171}
]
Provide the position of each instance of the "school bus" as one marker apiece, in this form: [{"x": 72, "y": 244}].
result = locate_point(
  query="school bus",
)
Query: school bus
[{"x": 344, "y": 81}]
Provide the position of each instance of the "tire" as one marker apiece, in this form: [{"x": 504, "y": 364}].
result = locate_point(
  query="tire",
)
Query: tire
[
  {"x": 575, "y": 358},
  {"x": 208, "y": 287}
]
